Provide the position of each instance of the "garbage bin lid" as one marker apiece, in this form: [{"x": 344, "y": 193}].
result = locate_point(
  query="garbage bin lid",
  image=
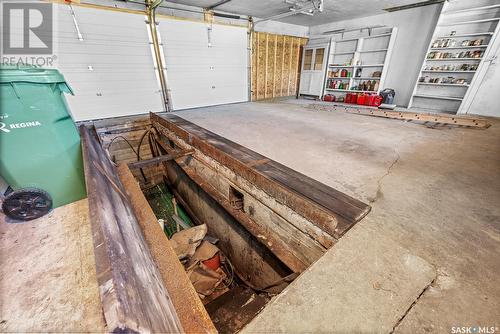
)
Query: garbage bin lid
[{"x": 25, "y": 73}]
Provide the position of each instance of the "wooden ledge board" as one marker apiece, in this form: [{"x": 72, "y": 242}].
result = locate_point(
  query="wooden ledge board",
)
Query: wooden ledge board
[
  {"x": 133, "y": 297},
  {"x": 326, "y": 207},
  {"x": 476, "y": 122}
]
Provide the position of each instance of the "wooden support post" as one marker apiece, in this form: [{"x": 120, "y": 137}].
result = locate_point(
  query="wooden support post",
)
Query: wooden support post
[
  {"x": 290, "y": 67},
  {"x": 266, "y": 64},
  {"x": 274, "y": 66}
]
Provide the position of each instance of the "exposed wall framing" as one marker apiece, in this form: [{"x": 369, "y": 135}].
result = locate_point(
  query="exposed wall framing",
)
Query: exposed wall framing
[
  {"x": 275, "y": 65},
  {"x": 132, "y": 129}
]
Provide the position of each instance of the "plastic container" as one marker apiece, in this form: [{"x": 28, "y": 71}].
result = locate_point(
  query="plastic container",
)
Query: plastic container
[
  {"x": 329, "y": 98},
  {"x": 361, "y": 99},
  {"x": 370, "y": 100},
  {"x": 40, "y": 153},
  {"x": 377, "y": 101}
]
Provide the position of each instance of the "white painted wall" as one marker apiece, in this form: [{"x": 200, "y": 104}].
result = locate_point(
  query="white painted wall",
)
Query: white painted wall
[
  {"x": 281, "y": 28},
  {"x": 415, "y": 29}
]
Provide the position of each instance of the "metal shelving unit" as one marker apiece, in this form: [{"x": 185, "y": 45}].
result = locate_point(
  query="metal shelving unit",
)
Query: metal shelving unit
[
  {"x": 461, "y": 22},
  {"x": 365, "y": 54}
]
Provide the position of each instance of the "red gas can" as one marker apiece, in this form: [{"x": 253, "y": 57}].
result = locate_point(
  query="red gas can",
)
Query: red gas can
[
  {"x": 370, "y": 100},
  {"x": 378, "y": 101},
  {"x": 328, "y": 98},
  {"x": 361, "y": 99},
  {"x": 348, "y": 98}
]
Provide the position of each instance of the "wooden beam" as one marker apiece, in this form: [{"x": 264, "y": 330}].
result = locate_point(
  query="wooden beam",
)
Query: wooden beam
[
  {"x": 290, "y": 66},
  {"x": 281, "y": 249},
  {"x": 266, "y": 64},
  {"x": 132, "y": 295},
  {"x": 410, "y": 116},
  {"x": 191, "y": 312},
  {"x": 257, "y": 52},
  {"x": 274, "y": 67},
  {"x": 158, "y": 160},
  {"x": 329, "y": 209},
  {"x": 282, "y": 65}
]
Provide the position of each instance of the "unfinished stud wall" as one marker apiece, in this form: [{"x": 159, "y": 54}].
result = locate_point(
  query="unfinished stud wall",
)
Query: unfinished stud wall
[{"x": 275, "y": 65}]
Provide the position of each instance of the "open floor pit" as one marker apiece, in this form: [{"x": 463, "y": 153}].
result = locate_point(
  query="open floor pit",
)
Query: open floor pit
[{"x": 242, "y": 225}]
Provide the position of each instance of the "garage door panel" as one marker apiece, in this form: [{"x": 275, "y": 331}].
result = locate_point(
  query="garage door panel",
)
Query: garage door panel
[
  {"x": 199, "y": 75},
  {"x": 111, "y": 70},
  {"x": 194, "y": 79}
]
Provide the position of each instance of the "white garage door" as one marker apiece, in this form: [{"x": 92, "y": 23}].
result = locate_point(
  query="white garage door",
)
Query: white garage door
[
  {"x": 111, "y": 70},
  {"x": 204, "y": 68}
]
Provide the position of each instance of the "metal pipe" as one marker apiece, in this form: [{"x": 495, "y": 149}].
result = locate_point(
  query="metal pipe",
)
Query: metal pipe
[
  {"x": 151, "y": 13},
  {"x": 250, "y": 34}
]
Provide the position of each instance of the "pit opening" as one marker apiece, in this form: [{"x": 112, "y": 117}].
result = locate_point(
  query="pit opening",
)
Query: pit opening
[
  {"x": 253, "y": 274},
  {"x": 255, "y": 237}
]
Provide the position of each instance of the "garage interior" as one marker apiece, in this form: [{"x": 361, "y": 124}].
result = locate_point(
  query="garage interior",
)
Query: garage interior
[{"x": 224, "y": 166}]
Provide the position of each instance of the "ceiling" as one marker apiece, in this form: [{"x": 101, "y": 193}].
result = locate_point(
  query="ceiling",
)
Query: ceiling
[{"x": 334, "y": 10}]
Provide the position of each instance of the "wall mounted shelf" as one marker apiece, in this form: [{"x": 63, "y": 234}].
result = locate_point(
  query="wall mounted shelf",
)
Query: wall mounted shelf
[
  {"x": 475, "y": 34},
  {"x": 443, "y": 84},
  {"x": 368, "y": 52},
  {"x": 458, "y": 22},
  {"x": 452, "y": 59},
  {"x": 454, "y": 98},
  {"x": 469, "y": 22},
  {"x": 350, "y": 90},
  {"x": 461, "y": 47},
  {"x": 434, "y": 71}
]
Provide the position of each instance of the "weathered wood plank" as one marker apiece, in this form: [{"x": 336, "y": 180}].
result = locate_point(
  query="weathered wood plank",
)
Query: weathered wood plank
[
  {"x": 191, "y": 312},
  {"x": 158, "y": 160},
  {"x": 221, "y": 177},
  {"x": 324, "y": 210},
  {"x": 440, "y": 118},
  {"x": 132, "y": 294}
]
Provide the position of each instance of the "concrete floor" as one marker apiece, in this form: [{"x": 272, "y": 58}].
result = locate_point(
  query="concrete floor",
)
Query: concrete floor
[
  {"x": 47, "y": 274},
  {"x": 425, "y": 259},
  {"x": 435, "y": 195}
]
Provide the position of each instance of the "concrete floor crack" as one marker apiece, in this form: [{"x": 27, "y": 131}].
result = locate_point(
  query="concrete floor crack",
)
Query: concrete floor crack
[
  {"x": 424, "y": 290},
  {"x": 378, "y": 193}
]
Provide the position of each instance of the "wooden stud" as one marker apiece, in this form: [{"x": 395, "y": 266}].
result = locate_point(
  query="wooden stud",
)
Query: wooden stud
[
  {"x": 290, "y": 67},
  {"x": 274, "y": 66},
  {"x": 267, "y": 65}
]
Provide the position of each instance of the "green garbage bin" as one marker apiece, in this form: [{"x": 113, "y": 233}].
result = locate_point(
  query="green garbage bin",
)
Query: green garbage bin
[{"x": 40, "y": 153}]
